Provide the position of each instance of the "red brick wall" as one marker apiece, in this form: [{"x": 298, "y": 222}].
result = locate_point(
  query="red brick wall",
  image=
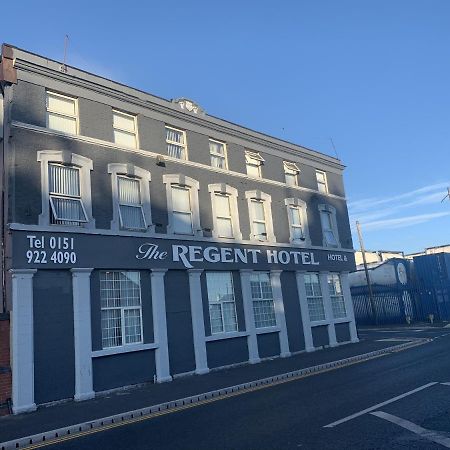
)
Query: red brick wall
[{"x": 5, "y": 372}]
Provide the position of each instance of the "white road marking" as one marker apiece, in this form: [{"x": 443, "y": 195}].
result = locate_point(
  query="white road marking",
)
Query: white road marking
[
  {"x": 379, "y": 405},
  {"x": 447, "y": 383},
  {"x": 431, "y": 435},
  {"x": 394, "y": 340}
]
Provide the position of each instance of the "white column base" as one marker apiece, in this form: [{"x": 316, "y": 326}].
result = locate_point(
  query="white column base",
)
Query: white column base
[
  {"x": 285, "y": 354},
  {"x": 254, "y": 360},
  {"x": 354, "y": 341},
  {"x": 310, "y": 349},
  {"x": 202, "y": 371},
  {"x": 24, "y": 408},
  {"x": 84, "y": 396},
  {"x": 164, "y": 379}
]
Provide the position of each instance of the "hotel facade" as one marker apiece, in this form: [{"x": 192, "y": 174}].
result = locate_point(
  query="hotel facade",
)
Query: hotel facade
[{"x": 144, "y": 239}]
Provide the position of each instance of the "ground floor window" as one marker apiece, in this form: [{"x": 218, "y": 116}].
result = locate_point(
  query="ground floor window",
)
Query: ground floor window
[
  {"x": 222, "y": 306},
  {"x": 262, "y": 296},
  {"x": 314, "y": 297},
  {"x": 121, "y": 315},
  {"x": 337, "y": 296}
]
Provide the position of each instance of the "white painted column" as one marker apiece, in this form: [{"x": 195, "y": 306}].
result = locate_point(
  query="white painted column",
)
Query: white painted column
[
  {"x": 198, "y": 324},
  {"x": 307, "y": 333},
  {"x": 349, "y": 306},
  {"x": 81, "y": 288},
  {"x": 22, "y": 342},
  {"x": 328, "y": 309},
  {"x": 252, "y": 341},
  {"x": 275, "y": 281},
  {"x": 160, "y": 325}
]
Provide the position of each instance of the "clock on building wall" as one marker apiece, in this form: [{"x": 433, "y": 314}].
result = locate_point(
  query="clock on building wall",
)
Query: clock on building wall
[{"x": 401, "y": 272}]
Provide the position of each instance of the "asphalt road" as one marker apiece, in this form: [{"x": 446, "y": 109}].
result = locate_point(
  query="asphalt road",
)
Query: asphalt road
[{"x": 294, "y": 415}]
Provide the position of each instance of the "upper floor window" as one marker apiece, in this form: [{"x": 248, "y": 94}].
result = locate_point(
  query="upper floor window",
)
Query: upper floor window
[
  {"x": 329, "y": 226},
  {"x": 176, "y": 143},
  {"x": 314, "y": 297},
  {"x": 262, "y": 299},
  {"x": 182, "y": 205},
  {"x": 225, "y": 211},
  {"x": 260, "y": 209},
  {"x": 121, "y": 308},
  {"x": 222, "y": 306},
  {"x": 321, "y": 178},
  {"x": 62, "y": 113},
  {"x": 66, "y": 189},
  {"x": 336, "y": 296},
  {"x": 125, "y": 129},
  {"x": 218, "y": 154},
  {"x": 291, "y": 172},
  {"x": 131, "y": 198},
  {"x": 298, "y": 222},
  {"x": 254, "y": 162}
]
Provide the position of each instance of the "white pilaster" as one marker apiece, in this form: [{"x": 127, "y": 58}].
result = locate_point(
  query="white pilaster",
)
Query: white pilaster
[
  {"x": 349, "y": 307},
  {"x": 328, "y": 309},
  {"x": 81, "y": 287},
  {"x": 160, "y": 325},
  {"x": 252, "y": 342},
  {"x": 198, "y": 324},
  {"x": 307, "y": 333},
  {"x": 22, "y": 347},
  {"x": 275, "y": 280}
]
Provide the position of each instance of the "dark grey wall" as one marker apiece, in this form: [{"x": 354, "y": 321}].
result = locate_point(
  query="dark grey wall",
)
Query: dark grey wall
[
  {"x": 96, "y": 120},
  {"x": 29, "y": 104},
  {"x": 54, "y": 366},
  {"x": 320, "y": 336},
  {"x": 292, "y": 311},
  {"x": 226, "y": 352},
  {"x": 342, "y": 332},
  {"x": 124, "y": 369},
  {"x": 268, "y": 344},
  {"x": 179, "y": 322}
]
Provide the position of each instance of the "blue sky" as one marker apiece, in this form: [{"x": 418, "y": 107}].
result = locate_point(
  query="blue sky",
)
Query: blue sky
[{"x": 373, "y": 75}]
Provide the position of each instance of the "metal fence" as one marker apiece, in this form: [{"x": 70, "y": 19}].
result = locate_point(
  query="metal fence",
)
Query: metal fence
[{"x": 395, "y": 304}]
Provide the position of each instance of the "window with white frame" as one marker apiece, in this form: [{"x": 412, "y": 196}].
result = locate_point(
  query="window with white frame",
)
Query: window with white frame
[
  {"x": 259, "y": 205},
  {"x": 182, "y": 205},
  {"x": 329, "y": 226},
  {"x": 291, "y": 172},
  {"x": 121, "y": 308},
  {"x": 321, "y": 178},
  {"x": 262, "y": 298},
  {"x": 176, "y": 143},
  {"x": 314, "y": 297},
  {"x": 66, "y": 206},
  {"x": 253, "y": 162},
  {"x": 222, "y": 306},
  {"x": 62, "y": 113},
  {"x": 336, "y": 295},
  {"x": 66, "y": 189},
  {"x": 218, "y": 154},
  {"x": 125, "y": 129},
  {"x": 131, "y": 212},
  {"x": 225, "y": 211},
  {"x": 298, "y": 222}
]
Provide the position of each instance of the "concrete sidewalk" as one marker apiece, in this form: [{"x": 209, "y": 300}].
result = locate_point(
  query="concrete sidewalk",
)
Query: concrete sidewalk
[{"x": 120, "y": 401}]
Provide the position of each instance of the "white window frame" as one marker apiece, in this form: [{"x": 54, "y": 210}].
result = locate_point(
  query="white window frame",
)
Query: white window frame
[
  {"x": 325, "y": 184},
  {"x": 291, "y": 168},
  {"x": 122, "y": 130},
  {"x": 261, "y": 299},
  {"x": 337, "y": 300},
  {"x": 254, "y": 159},
  {"x": 232, "y": 193},
  {"x": 75, "y": 116},
  {"x": 266, "y": 199},
  {"x": 45, "y": 157},
  {"x": 221, "y": 302},
  {"x": 302, "y": 207},
  {"x": 144, "y": 177},
  {"x": 186, "y": 156},
  {"x": 194, "y": 187},
  {"x": 218, "y": 155},
  {"x": 314, "y": 300},
  {"x": 122, "y": 316},
  {"x": 332, "y": 211}
]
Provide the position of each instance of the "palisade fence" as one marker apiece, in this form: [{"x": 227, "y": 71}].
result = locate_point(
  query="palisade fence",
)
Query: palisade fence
[{"x": 394, "y": 304}]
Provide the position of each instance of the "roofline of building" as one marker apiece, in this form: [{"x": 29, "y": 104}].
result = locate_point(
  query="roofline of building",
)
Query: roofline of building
[{"x": 145, "y": 96}]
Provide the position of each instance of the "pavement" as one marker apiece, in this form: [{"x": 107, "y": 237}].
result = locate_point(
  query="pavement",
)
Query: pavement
[{"x": 69, "y": 413}]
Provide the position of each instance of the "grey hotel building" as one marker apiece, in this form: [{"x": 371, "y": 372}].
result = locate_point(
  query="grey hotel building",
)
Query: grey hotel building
[{"x": 144, "y": 239}]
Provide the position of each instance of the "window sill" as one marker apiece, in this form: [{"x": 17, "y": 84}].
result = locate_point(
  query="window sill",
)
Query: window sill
[
  {"x": 268, "y": 330},
  {"x": 319, "y": 323},
  {"x": 221, "y": 336},
  {"x": 123, "y": 349}
]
